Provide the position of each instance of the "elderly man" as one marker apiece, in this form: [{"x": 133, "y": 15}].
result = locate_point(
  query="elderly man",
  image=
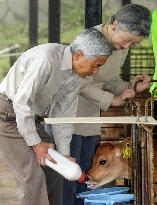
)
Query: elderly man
[{"x": 45, "y": 79}]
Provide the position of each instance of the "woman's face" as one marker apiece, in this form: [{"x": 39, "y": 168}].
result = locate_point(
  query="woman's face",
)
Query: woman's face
[
  {"x": 121, "y": 39},
  {"x": 124, "y": 39}
]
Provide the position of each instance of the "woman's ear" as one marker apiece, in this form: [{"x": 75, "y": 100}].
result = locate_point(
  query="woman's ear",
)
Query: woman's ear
[
  {"x": 78, "y": 54},
  {"x": 114, "y": 25}
]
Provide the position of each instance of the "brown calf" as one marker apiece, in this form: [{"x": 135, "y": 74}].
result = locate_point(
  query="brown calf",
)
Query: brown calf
[{"x": 108, "y": 164}]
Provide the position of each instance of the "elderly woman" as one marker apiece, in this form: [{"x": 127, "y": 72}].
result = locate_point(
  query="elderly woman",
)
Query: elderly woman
[
  {"x": 46, "y": 76},
  {"x": 128, "y": 27}
]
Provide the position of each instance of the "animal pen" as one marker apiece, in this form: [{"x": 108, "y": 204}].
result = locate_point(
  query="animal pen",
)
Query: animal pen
[
  {"x": 139, "y": 126},
  {"x": 134, "y": 119},
  {"x": 142, "y": 159}
]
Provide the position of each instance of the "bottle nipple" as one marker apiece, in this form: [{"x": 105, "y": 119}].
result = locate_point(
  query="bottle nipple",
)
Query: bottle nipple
[{"x": 82, "y": 178}]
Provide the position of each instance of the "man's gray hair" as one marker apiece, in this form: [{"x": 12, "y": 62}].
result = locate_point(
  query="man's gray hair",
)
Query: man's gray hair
[
  {"x": 92, "y": 43},
  {"x": 135, "y": 18}
]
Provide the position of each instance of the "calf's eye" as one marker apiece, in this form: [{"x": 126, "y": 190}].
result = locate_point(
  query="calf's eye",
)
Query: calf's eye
[{"x": 102, "y": 162}]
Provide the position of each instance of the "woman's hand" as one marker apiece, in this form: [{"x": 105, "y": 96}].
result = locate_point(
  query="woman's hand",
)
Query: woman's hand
[
  {"x": 141, "y": 82},
  {"x": 120, "y": 99}
]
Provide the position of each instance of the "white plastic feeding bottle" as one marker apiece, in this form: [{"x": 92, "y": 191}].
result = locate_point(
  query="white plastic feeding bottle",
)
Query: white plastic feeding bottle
[{"x": 70, "y": 170}]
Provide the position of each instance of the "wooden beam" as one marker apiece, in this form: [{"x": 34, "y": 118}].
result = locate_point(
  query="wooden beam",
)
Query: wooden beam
[{"x": 99, "y": 120}]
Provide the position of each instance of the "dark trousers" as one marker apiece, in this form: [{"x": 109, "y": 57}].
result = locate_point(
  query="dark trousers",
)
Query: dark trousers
[{"x": 83, "y": 149}]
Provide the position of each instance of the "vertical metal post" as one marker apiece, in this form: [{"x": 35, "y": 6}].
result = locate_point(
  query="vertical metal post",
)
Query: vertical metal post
[
  {"x": 126, "y": 66},
  {"x": 54, "y": 21},
  {"x": 144, "y": 169},
  {"x": 136, "y": 179},
  {"x": 93, "y": 13},
  {"x": 150, "y": 159},
  {"x": 126, "y": 2},
  {"x": 33, "y": 23}
]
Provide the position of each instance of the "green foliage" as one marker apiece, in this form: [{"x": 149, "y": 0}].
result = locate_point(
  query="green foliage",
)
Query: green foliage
[
  {"x": 4, "y": 65},
  {"x": 72, "y": 22},
  {"x": 68, "y": 36},
  {"x": 72, "y": 19},
  {"x": 12, "y": 34}
]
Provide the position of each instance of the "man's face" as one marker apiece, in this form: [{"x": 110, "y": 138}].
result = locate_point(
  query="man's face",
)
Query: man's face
[{"x": 87, "y": 67}]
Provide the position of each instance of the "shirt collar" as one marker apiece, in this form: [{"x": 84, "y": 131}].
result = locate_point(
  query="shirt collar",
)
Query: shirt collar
[{"x": 67, "y": 59}]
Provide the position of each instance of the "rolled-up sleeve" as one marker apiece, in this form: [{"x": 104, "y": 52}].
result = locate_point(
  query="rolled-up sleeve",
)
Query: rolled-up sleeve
[
  {"x": 62, "y": 133},
  {"x": 34, "y": 78},
  {"x": 97, "y": 96},
  {"x": 116, "y": 85}
]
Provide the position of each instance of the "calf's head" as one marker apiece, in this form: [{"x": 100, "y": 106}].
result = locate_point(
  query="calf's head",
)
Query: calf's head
[{"x": 109, "y": 164}]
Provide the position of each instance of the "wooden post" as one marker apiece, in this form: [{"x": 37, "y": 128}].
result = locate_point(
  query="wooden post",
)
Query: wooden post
[
  {"x": 54, "y": 21},
  {"x": 33, "y": 23}
]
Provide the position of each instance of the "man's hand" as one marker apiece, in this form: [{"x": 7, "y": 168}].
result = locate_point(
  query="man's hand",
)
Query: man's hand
[
  {"x": 119, "y": 100},
  {"x": 141, "y": 82},
  {"x": 41, "y": 152}
]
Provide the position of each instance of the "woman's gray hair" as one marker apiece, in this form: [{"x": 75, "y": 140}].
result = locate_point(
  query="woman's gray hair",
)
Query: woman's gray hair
[
  {"x": 92, "y": 43},
  {"x": 134, "y": 17}
]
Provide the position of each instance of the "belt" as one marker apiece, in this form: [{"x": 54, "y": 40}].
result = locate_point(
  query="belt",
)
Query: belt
[
  {"x": 5, "y": 98},
  {"x": 5, "y": 113}
]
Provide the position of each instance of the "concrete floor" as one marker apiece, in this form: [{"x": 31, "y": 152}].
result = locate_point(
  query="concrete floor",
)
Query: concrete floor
[{"x": 7, "y": 185}]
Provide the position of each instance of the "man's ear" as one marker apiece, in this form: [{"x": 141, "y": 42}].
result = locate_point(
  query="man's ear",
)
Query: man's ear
[{"x": 78, "y": 54}]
